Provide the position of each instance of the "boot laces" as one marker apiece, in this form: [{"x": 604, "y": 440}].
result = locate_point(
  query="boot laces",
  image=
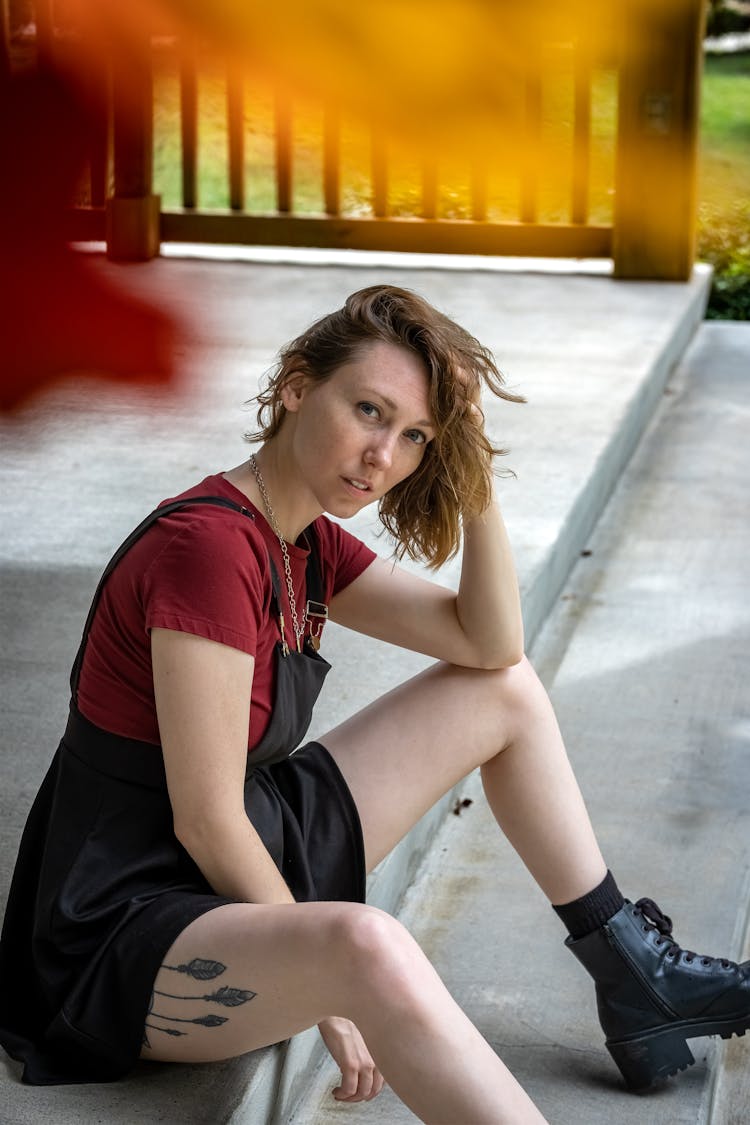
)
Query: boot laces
[{"x": 656, "y": 919}]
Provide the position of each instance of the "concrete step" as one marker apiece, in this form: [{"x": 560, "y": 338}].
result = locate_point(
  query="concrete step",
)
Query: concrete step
[
  {"x": 646, "y": 657},
  {"x": 591, "y": 354}
]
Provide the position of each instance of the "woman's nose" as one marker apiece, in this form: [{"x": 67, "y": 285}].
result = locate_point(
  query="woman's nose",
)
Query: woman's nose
[{"x": 380, "y": 452}]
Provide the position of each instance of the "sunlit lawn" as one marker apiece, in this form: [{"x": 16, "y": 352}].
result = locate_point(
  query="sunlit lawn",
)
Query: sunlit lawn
[{"x": 725, "y": 132}]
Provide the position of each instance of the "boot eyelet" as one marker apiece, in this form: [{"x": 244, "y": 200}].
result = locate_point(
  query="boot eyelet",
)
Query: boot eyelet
[
  {"x": 706, "y": 961},
  {"x": 689, "y": 960}
]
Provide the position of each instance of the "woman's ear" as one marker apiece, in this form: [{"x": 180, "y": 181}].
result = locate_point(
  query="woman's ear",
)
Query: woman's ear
[{"x": 293, "y": 390}]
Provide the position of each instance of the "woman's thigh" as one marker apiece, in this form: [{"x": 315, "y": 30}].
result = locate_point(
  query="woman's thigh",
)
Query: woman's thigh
[
  {"x": 246, "y": 975},
  {"x": 404, "y": 751}
]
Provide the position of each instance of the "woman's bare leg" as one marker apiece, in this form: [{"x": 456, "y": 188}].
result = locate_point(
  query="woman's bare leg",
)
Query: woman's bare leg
[
  {"x": 407, "y": 749},
  {"x": 289, "y": 967}
]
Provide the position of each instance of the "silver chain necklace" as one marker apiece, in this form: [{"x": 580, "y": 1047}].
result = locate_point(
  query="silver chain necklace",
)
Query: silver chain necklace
[{"x": 298, "y": 629}]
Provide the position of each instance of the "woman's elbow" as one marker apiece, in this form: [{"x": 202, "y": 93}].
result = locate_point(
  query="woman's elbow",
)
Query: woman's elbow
[
  {"x": 502, "y": 659},
  {"x": 189, "y": 836},
  {"x": 200, "y": 833},
  {"x": 504, "y": 653}
]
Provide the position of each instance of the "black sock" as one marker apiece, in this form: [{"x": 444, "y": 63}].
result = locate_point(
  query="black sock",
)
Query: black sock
[{"x": 592, "y": 910}]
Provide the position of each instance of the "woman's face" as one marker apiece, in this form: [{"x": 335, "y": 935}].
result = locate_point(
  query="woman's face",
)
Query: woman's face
[{"x": 363, "y": 429}]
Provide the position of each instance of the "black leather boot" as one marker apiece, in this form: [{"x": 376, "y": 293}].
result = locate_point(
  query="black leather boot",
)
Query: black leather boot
[{"x": 652, "y": 996}]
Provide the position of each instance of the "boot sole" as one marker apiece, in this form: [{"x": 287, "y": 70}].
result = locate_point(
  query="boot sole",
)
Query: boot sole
[{"x": 646, "y": 1059}]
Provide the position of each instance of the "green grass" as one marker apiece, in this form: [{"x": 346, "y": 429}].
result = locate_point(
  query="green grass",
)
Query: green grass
[{"x": 724, "y": 183}]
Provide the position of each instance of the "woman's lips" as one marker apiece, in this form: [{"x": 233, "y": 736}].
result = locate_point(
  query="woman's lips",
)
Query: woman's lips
[{"x": 360, "y": 487}]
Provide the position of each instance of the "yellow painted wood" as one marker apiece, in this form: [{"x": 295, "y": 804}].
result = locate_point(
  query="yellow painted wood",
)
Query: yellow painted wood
[
  {"x": 415, "y": 235},
  {"x": 656, "y": 178},
  {"x": 188, "y": 78},
  {"x": 132, "y": 228}
]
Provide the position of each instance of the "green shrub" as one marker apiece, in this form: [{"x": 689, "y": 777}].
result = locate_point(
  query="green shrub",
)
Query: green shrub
[
  {"x": 722, "y": 21},
  {"x": 724, "y": 241}
]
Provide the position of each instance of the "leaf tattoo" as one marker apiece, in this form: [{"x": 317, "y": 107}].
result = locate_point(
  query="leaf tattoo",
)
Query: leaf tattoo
[
  {"x": 204, "y": 1021},
  {"x": 166, "y": 1030},
  {"x": 199, "y": 969},
  {"x": 229, "y": 997}
]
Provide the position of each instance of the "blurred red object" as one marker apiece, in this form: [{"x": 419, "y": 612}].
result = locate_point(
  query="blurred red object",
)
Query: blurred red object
[{"x": 56, "y": 315}]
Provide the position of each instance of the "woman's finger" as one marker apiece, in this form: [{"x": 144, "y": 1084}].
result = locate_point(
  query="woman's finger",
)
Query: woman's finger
[
  {"x": 348, "y": 1086},
  {"x": 378, "y": 1082},
  {"x": 360, "y": 1086}
]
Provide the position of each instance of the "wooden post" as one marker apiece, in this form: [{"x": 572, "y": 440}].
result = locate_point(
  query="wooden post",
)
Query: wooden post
[
  {"x": 656, "y": 173},
  {"x": 133, "y": 213}
]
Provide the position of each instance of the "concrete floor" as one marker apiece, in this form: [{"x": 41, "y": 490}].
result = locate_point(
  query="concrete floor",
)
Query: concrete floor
[{"x": 83, "y": 463}]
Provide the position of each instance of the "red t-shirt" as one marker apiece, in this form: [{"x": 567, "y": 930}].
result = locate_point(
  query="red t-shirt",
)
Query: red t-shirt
[{"x": 201, "y": 570}]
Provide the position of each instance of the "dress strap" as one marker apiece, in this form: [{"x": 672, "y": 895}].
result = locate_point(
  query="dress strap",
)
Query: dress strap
[
  {"x": 316, "y": 609},
  {"x": 132, "y": 539},
  {"x": 313, "y": 578}
]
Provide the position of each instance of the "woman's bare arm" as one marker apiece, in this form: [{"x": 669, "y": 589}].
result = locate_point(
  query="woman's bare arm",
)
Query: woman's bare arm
[
  {"x": 478, "y": 627},
  {"x": 203, "y": 706}
]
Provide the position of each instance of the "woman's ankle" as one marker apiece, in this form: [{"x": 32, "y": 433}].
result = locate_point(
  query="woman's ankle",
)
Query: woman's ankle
[{"x": 587, "y": 913}]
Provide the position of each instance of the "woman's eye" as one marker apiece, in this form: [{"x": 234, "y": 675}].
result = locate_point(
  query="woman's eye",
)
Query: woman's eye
[
  {"x": 368, "y": 409},
  {"x": 416, "y": 436}
]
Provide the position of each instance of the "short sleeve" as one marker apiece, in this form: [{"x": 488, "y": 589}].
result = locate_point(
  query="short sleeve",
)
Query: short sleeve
[
  {"x": 344, "y": 556},
  {"x": 209, "y": 579}
]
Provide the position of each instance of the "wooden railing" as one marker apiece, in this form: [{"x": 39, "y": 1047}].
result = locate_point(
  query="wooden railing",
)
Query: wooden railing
[{"x": 623, "y": 189}]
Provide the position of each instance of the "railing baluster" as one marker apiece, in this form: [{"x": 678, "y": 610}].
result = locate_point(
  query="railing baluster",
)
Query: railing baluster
[
  {"x": 530, "y": 157},
  {"x": 188, "y": 71},
  {"x": 99, "y": 134},
  {"x": 479, "y": 190},
  {"x": 429, "y": 188},
  {"x": 581, "y": 133},
  {"x": 4, "y": 40},
  {"x": 331, "y": 158},
  {"x": 236, "y": 134},
  {"x": 379, "y": 173},
  {"x": 283, "y": 151}
]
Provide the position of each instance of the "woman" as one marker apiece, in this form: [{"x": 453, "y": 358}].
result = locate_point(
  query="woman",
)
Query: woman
[{"x": 180, "y": 898}]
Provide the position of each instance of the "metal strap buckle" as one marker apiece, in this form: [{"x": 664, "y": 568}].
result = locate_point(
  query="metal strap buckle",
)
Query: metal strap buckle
[{"x": 319, "y": 610}]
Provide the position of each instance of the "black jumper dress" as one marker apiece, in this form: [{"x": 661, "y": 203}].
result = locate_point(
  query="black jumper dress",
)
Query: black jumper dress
[{"x": 102, "y": 887}]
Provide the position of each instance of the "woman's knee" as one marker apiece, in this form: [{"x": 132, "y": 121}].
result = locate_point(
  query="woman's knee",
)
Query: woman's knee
[
  {"x": 372, "y": 950},
  {"x": 505, "y": 692}
]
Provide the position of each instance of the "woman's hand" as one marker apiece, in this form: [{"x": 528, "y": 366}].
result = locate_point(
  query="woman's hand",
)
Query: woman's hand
[{"x": 361, "y": 1080}]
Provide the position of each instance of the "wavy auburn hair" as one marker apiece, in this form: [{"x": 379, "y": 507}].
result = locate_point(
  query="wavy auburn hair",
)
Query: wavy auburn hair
[{"x": 453, "y": 482}]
